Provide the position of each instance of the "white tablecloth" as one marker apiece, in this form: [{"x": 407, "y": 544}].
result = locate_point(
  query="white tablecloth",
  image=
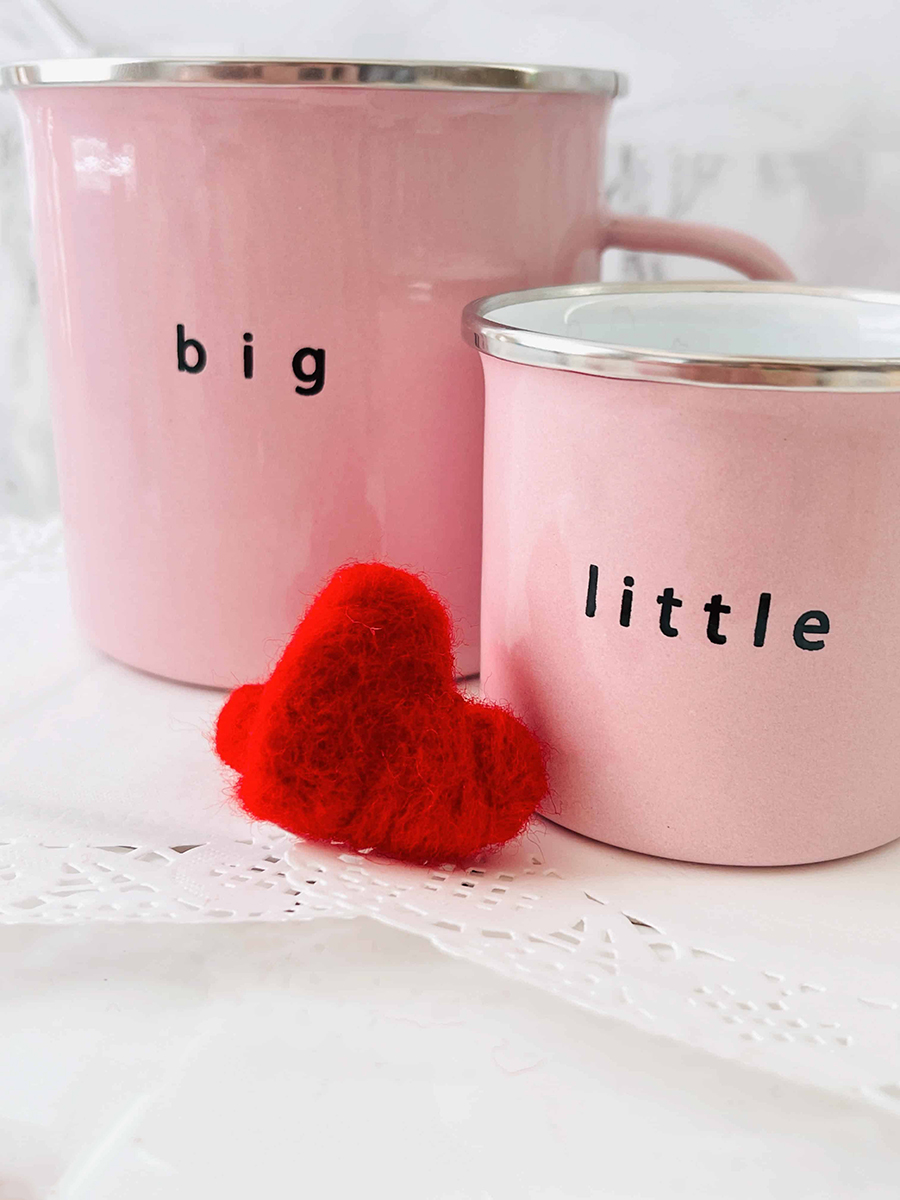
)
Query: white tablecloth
[{"x": 181, "y": 1015}]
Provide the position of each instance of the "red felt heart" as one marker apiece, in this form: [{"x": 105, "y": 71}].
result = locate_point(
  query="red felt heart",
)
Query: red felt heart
[{"x": 360, "y": 737}]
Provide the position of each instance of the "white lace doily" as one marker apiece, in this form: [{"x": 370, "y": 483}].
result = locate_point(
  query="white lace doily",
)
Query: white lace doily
[{"x": 114, "y": 808}]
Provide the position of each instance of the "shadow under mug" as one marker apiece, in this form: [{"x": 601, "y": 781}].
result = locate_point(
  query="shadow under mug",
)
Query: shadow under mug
[
  {"x": 692, "y": 561},
  {"x": 251, "y": 275}
]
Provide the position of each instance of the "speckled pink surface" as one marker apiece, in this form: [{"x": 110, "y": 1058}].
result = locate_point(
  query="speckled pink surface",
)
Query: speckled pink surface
[
  {"x": 203, "y": 510},
  {"x": 678, "y": 746}
]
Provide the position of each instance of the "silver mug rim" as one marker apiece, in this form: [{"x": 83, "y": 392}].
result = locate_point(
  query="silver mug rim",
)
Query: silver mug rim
[
  {"x": 313, "y": 72},
  {"x": 609, "y": 360}
]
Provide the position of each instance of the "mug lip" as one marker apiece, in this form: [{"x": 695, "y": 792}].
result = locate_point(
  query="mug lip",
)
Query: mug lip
[
  {"x": 616, "y": 361},
  {"x": 314, "y": 72}
]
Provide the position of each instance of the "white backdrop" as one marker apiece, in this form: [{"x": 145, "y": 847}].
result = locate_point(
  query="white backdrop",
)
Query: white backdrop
[{"x": 782, "y": 120}]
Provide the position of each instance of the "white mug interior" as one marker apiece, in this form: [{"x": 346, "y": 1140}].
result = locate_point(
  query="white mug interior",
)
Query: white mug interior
[{"x": 745, "y": 324}]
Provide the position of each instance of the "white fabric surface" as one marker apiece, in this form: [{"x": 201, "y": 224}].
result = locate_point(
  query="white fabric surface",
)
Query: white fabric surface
[
  {"x": 340, "y": 1059},
  {"x": 150, "y": 1061}
]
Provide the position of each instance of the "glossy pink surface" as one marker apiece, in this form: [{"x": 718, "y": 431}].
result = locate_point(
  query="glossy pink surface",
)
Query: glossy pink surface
[
  {"x": 676, "y": 746},
  {"x": 203, "y": 510}
]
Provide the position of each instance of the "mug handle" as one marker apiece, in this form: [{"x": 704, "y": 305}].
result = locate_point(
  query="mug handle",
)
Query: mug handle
[{"x": 726, "y": 246}]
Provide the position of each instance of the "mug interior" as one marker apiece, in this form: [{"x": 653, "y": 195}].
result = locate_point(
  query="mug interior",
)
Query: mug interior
[{"x": 742, "y": 324}]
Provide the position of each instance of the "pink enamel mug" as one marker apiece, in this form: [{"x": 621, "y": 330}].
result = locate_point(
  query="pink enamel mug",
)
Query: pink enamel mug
[
  {"x": 251, "y": 275},
  {"x": 692, "y": 560}
]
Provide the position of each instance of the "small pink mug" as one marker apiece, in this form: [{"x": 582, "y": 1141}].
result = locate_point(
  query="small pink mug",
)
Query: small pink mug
[
  {"x": 251, "y": 276},
  {"x": 692, "y": 561}
]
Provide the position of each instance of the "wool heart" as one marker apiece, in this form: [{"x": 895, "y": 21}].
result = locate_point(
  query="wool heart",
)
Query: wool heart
[{"x": 360, "y": 738}]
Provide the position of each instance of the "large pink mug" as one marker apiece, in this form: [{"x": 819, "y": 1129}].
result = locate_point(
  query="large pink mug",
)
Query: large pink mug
[
  {"x": 692, "y": 561},
  {"x": 251, "y": 275}
]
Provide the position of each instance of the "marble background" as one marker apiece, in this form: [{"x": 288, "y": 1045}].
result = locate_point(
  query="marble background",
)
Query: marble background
[{"x": 781, "y": 120}]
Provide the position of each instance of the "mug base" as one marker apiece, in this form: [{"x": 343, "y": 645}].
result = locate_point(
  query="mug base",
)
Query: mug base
[
  {"x": 466, "y": 669},
  {"x": 709, "y": 857}
]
